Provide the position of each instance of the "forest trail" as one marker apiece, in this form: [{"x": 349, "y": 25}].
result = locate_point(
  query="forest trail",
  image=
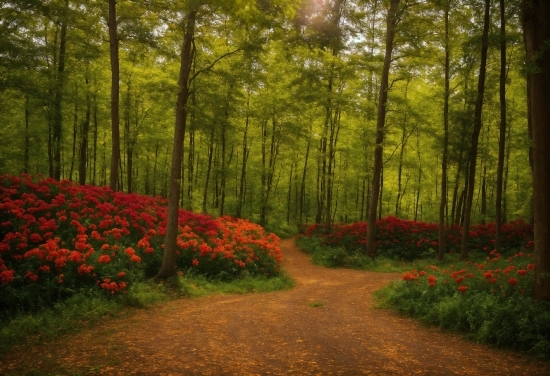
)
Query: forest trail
[{"x": 326, "y": 325}]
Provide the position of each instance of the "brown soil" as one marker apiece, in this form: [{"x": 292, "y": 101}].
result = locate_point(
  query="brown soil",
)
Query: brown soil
[{"x": 326, "y": 325}]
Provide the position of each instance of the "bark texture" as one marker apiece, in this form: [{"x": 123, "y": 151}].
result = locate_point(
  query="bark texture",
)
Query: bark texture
[
  {"x": 168, "y": 267},
  {"x": 537, "y": 46}
]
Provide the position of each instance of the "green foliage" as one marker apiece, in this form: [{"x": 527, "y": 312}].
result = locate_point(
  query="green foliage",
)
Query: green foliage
[
  {"x": 488, "y": 301},
  {"x": 331, "y": 256},
  {"x": 196, "y": 286}
]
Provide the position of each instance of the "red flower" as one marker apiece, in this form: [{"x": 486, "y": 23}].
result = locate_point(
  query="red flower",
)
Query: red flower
[
  {"x": 195, "y": 262},
  {"x": 36, "y": 238},
  {"x": 44, "y": 268},
  {"x": 85, "y": 269},
  {"x": 462, "y": 288},
  {"x": 135, "y": 258},
  {"x": 121, "y": 275},
  {"x": 512, "y": 281},
  {"x": 104, "y": 259},
  {"x": 522, "y": 272},
  {"x": 408, "y": 276},
  {"x": 431, "y": 280}
]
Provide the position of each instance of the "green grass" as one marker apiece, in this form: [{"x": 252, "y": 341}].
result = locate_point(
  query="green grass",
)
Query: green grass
[
  {"x": 83, "y": 311},
  {"x": 335, "y": 257}
]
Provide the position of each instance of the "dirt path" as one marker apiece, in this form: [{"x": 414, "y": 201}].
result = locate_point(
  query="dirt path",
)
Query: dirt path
[{"x": 326, "y": 325}]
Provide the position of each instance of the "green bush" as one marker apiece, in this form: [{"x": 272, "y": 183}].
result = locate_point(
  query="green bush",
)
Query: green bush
[{"x": 488, "y": 301}]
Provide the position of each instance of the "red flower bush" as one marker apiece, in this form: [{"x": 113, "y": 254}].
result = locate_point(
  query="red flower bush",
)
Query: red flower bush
[
  {"x": 57, "y": 238},
  {"x": 408, "y": 240}
]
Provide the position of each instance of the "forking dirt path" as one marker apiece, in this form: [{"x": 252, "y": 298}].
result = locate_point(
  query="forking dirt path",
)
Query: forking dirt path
[{"x": 326, "y": 325}]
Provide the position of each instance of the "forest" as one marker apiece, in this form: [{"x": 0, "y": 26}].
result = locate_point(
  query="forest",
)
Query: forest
[{"x": 281, "y": 108}]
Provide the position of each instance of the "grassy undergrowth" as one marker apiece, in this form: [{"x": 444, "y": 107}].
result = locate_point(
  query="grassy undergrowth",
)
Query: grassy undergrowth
[
  {"x": 83, "y": 311},
  {"x": 337, "y": 256}
]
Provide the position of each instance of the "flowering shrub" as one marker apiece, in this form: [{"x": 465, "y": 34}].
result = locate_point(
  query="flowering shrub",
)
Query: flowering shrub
[
  {"x": 57, "y": 238},
  {"x": 408, "y": 240},
  {"x": 490, "y": 300}
]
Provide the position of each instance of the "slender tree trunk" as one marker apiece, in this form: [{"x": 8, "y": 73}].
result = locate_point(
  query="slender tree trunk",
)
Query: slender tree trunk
[
  {"x": 289, "y": 194},
  {"x": 83, "y": 160},
  {"x": 58, "y": 98},
  {"x": 208, "y": 172},
  {"x": 95, "y": 141},
  {"x": 75, "y": 132},
  {"x": 477, "y": 129},
  {"x": 380, "y": 123},
  {"x": 27, "y": 137},
  {"x": 502, "y": 133},
  {"x": 240, "y": 201},
  {"x": 333, "y": 139},
  {"x": 224, "y": 163},
  {"x": 191, "y": 164},
  {"x": 303, "y": 183},
  {"x": 443, "y": 202},
  {"x": 115, "y": 90},
  {"x": 537, "y": 37},
  {"x": 147, "y": 180},
  {"x": 155, "y": 169},
  {"x": 168, "y": 267},
  {"x": 127, "y": 136},
  {"x": 484, "y": 195},
  {"x": 404, "y": 138},
  {"x": 505, "y": 179}
]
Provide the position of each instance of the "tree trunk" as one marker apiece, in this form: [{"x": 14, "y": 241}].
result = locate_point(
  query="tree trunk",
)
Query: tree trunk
[
  {"x": 83, "y": 160},
  {"x": 246, "y": 152},
  {"x": 94, "y": 158},
  {"x": 537, "y": 35},
  {"x": 303, "y": 183},
  {"x": 502, "y": 134},
  {"x": 382, "y": 101},
  {"x": 58, "y": 98},
  {"x": 127, "y": 136},
  {"x": 224, "y": 163},
  {"x": 477, "y": 129},
  {"x": 404, "y": 138},
  {"x": 289, "y": 194},
  {"x": 443, "y": 203},
  {"x": 208, "y": 173},
  {"x": 155, "y": 169},
  {"x": 115, "y": 90},
  {"x": 27, "y": 136},
  {"x": 75, "y": 132},
  {"x": 168, "y": 267}
]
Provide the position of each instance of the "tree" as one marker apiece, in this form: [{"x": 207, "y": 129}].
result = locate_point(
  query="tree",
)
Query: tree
[
  {"x": 115, "y": 93},
  {"x": 536, "y": 14},
  {"x": 502, "y": 134},
  {"x": 391, "y": 24},
  {"x": 444, "y": 160},
  {"x": 169, "y": 257},
  {"x": 477, "y": 128}
]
